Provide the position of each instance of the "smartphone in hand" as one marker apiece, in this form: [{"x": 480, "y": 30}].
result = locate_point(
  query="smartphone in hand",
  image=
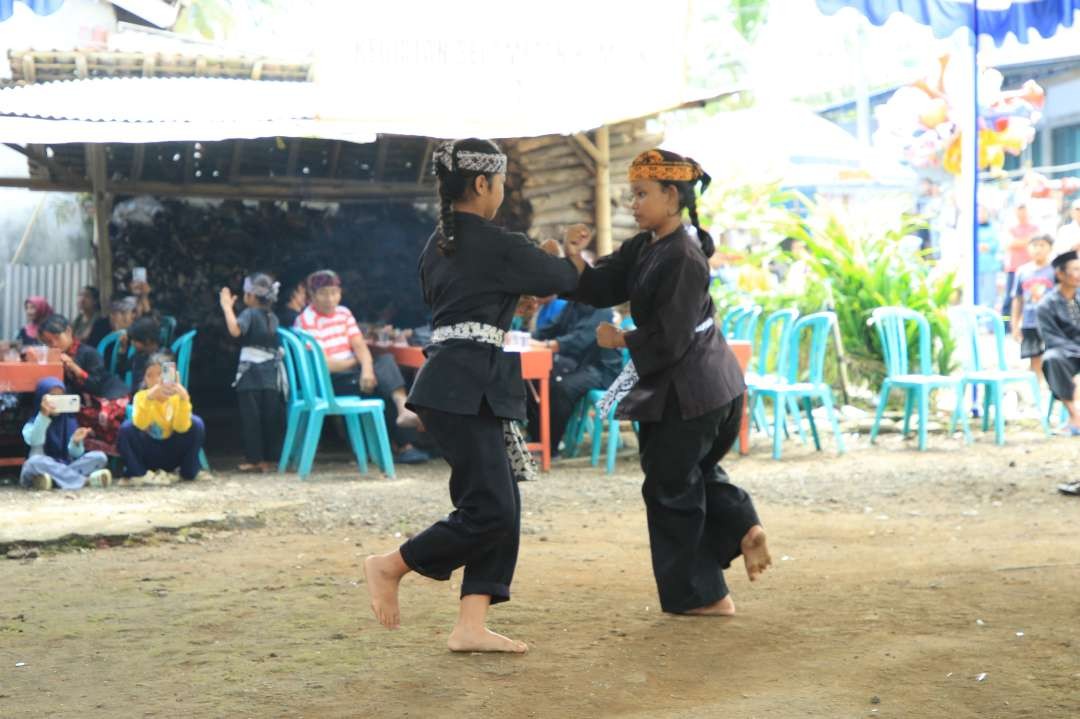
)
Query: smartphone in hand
[
  {"x": 168, "y": 373},
  {"x": 65, "y": 403}
]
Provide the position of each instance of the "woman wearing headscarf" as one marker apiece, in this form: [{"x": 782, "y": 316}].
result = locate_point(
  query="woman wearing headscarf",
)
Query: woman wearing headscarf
[
  {"x": 37, "y": 311},
  {"x": 58, "y": 457},
  {"x": 683, "y": 385}
]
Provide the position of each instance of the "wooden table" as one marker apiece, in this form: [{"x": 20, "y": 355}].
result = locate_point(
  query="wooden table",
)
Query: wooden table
[
  {"x": 24, "y": 377},
  {"x": 536, "y": 367},
  {"x": 743, "y": 350}
]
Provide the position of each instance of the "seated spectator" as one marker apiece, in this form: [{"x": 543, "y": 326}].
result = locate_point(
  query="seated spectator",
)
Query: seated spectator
[
  {"x": 1033, "y": 280},
  {"x": 145, "y": 335},
  {"x": 1059, "y": 323},
  {"x": 57, "y": 455},
  {"x": 37, "y": 311},
  {"x": 579, "y": 364},
  {"x": 162, "y": 436},
  {"x": 104, "y": 395},
  {"x": 140, "y": 290},
  {"x": 353, "y": 369},
  {"x": 550, "y": 309},
  {"x": 89, "y": 321},
  {"x": 121, "y": 316},
  {"x": 294, "y": 298}
]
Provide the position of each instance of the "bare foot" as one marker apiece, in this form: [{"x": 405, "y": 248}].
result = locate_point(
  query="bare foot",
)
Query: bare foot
[
  {"x": 724, "y": 608},
  {"x": 755, "y": 552},
  {"x": 408, "y": 419},
  {"x": 382, "y": 584},
  {"x": 482, "y": 639}
]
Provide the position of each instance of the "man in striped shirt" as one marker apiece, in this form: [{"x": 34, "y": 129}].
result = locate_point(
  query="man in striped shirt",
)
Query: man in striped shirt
[{"x": 353, "y": 369}]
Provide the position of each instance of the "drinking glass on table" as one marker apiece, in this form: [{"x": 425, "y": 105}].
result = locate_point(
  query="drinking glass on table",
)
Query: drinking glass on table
[{"x": 41, "y": 353}]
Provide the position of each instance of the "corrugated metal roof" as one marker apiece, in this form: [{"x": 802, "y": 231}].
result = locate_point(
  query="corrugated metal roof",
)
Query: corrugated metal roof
[{"x": 166, "y": 109}]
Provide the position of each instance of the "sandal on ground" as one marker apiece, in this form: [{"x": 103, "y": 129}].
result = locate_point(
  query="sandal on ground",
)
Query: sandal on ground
[
  {"x": 246, "y": 468},
  {"x": 1070, "y": 488}
]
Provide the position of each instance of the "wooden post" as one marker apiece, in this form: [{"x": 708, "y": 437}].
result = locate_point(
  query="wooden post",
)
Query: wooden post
[
  {"x": 603, "y": 192},
  {"x": 95, "y": 155}
]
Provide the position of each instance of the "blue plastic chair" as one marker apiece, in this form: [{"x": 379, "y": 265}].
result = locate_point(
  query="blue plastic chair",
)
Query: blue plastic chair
[
  {"x": 168, "y": 329},
  {"x": 892, "y": 328},
  {"x": 741, "y": 323},
  {"x": 354, "y": 409},
  {"x": 787, "y": 385},
  {"x": 579, "y": 421},
  {"x": 301, "y": 397},
  {"x": 111, "y": 340},
  {"x": 991, "y": 372},
  {"x": 1063, "y": 412},
  {"x": 779, "y": 323},
  {"x": 727, "y": 327}
]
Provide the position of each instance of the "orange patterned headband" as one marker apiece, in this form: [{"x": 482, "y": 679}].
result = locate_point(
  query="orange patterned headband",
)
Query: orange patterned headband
[{"x": 651, "y": 165}]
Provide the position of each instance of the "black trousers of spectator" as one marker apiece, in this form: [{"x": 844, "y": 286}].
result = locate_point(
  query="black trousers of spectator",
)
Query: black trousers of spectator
[
  {"x": 1006, "y": 305},
  {"x": 696, "y": 517},
  {"x": 1059, "y": 370},
  {"x": 565, "y": 388},
  {"x": 483, "y": 531},
  {"x": 262, "y": 416},
  {"x": 387, "y": 379}
]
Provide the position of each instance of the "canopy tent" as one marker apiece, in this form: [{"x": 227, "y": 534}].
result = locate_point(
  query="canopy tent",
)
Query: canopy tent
[
  {"x": 41, "y": 7},
  {"x": 789, "y": 144},
  {"x": 996, "y": 19}
]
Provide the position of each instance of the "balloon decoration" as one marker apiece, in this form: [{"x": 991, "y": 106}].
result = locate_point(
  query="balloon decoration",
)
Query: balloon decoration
[{"x": 925, "y": 121}]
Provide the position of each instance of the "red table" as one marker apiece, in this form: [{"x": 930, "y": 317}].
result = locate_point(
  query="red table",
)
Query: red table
[
  {"x": 24, "y": 377},
  {"x": 535, "y": 367},
  {"x": 743, "y": 350}
]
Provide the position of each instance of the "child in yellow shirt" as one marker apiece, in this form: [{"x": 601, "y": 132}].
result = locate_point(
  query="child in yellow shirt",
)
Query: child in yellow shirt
[{"x": 163, "y": 435}]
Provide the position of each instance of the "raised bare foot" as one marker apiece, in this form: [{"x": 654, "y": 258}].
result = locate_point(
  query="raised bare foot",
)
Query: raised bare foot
[
  {"x": 382, "y": 584},
  {"x": 755, "y": 552},
  {"x": 482, "y": 639},
  {"x": 724, "y": 608},
  {"x": 408, "y": 419}
]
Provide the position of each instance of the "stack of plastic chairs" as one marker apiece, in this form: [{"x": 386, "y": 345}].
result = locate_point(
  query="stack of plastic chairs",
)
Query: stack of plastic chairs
[{"x": 787, "y": 387}]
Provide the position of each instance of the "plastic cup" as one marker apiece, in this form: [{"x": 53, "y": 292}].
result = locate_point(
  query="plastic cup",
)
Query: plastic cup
[{"x": 41, "y": 352}]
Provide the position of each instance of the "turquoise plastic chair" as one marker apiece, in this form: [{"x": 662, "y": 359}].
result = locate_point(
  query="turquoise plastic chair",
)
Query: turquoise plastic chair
[
  {"x": 301, "y": 398},
  {"x": 727, "y": 328},
  {"x": 323, "y": 402},
  {"x": 778, "y": 324},
  {"x": 579, "y": 422},
  {"x": 991, "y": 372},
  {"x": 787, "y": 387},
  {"x": 741, "y": 323},
  {"x": 168, "y": 329},
  {"x": 892, "y": 329},
  {"x": 1063, "y": 412},
  {"x": 110, "y": 341}
]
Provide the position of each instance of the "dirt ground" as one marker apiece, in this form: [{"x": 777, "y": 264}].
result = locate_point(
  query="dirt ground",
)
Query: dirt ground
[{"x": 941, "y": 584}]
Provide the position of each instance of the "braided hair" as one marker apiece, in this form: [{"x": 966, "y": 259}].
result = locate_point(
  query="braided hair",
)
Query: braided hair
[
  {"x": 455, "y": 182},
  {"x": 688, "y": 198}
]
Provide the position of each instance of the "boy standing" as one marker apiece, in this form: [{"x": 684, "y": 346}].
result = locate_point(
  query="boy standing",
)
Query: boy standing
[{"x": 1033, "y": 280}]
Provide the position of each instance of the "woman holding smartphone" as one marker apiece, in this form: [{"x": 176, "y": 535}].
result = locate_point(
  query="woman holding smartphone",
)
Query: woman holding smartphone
[
  {"x": 163, "y": 435},
  {"x": 57, "y": 455}
]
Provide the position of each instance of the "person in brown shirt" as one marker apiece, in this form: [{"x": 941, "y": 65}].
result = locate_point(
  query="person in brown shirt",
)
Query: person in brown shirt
[{"x": 683, "y": 385}]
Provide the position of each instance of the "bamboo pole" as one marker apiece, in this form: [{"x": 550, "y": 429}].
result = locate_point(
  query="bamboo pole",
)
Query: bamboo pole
[
  {"x": 603, "y": 192},
  {"x": 95, "y": 154}
]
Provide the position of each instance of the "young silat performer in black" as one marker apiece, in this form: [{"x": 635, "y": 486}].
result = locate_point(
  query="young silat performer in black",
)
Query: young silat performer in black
[
  {"x": 468, "y": 393},
  {"x": 683, "y": 385}
]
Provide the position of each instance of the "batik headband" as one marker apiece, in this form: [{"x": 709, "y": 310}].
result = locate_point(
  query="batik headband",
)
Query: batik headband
[
  {"x": 487, "y": 163},
  {"x": 651, "y": 165},
  {"x": 323, "y": 278},
  {"x": 263, "y": 289}
]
